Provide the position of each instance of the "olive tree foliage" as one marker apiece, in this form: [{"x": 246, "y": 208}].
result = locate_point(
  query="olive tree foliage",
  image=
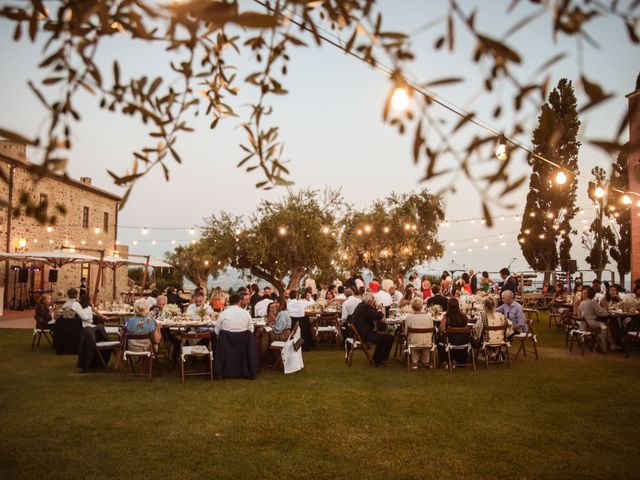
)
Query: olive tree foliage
[
  {"x": 195, "y": 262},
  {"x": 200, "y": 36},
  {"x": 619, "y": 215},
  {"x": 393, "y": 235},
  {"x": 282, "y": 241}
]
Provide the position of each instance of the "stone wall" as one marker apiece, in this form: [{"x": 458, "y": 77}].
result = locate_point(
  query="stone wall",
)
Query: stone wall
[
  {"x": 634, "y": 180},
  {"x": 100, "y": 233}
]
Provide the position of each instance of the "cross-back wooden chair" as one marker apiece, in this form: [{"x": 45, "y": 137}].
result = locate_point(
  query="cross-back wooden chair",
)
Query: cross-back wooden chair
[
  {"x": 41, "y": 329},
  {"x": 584, "y": 336},
  {"x": 449, "y": 347},
  {"x": 195, "y": 351},
  {"x": 433, "y": 349},
  {"x": 327, "y": 327},
  {"x": 499, "y": 348},
  {"x": 142, "y": 351},
  {"x": 278, "y": 345},
  {"x": 631, "y": 335},
  {"x": 357, "y": 343},
  {"x": 530, "y": 336}
]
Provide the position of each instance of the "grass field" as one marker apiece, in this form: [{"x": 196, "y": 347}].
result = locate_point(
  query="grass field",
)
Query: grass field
[{"x": 563, "y": 416}]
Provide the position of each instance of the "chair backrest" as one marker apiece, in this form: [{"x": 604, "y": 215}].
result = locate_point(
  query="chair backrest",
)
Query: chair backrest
[
  {"x": 195, "y": 336},
  {"x": 293, "y": 331},
  {"x": 454, "y": 330},
  {"x": 420, "y": 330},
  {"x": 357, "y": 335},
  {"x": 137, "y": 336},
  {"x": 498, "y": 328}
]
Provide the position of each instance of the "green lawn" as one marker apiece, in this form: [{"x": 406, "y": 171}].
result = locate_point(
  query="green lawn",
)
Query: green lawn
[{"x": 563, "y": 416}]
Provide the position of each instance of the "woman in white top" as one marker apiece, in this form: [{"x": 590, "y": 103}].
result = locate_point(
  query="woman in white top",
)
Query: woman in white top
[
  {"x": 491, "y": 318},
  {"x": 421, "y": 341}
]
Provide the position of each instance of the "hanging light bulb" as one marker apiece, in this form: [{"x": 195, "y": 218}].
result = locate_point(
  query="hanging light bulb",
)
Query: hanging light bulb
[
  {"x": 501, "y": 148},
  {"x": 153, "y": 242},
  {"x": 282, "y": 231},
  {"x": 49, "y": 229},
  {"x": 135, "y": 242},
  {"x": 626, "y": 199},
  {"x": 192, "y": 231},
  {"x": 173, "y": 242},
  {"x": 385, "y": 229},
  {"x": 145, "y": 231},
  {"x": 561, "y": 178},
  {"x": 400, "y": 99},
  {"x": 599, "y": 193},
  {"x": 638, "y": 204}
]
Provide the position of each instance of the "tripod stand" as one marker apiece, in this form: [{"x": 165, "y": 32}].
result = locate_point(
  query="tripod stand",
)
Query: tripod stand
[{"x": 16, "y": 303}]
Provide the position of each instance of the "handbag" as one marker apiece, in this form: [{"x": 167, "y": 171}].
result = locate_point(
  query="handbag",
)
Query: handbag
[{"x": 298, "y": 343}]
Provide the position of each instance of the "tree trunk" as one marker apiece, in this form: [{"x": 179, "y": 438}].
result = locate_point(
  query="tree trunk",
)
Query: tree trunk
[
  {"x": 263, "y": 274},
  {"x": 621, "y": 273},
  {"x": 294, "y": 279}
]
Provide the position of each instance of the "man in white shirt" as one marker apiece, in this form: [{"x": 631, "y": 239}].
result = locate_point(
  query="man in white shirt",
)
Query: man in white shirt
[
  {"x": 383, "y": 298},
  {"x": 350, "y": 304},
  {"x": 234, "y": 318},
  {"x": 192, "y": 310},
  {"x": 341, "y": 295},
  {"x": 396, "y": 296},
  {"x": 71, "y": 307},
  {"x": 295, "y": 306},
  {"x": 262, "y": 307}
]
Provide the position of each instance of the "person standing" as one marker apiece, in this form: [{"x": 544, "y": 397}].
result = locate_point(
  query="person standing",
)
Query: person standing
[{"x": 509, "y": 282}]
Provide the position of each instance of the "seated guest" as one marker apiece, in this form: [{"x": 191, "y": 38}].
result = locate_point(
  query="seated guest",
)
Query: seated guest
[
  {"x": 142, "y": 324},
  {"x": 282, "y": 328},
  {"x": 349, "y": 305},
  {"x": 611, "y": 297},
  {"x": 437, "y": 299},
  {"x": 383, "y": 298},
  {"x": 559, "y": 293},
  {"x": 157, "y": 311},
  {"x": 374, "y": 285},
  {"x": 92, "y": 332},
  {"x": 456, "y": 292},
  {"x": 234, "y": 318},
  {"x": 421, "y": 341},
  {"x": 329, "y": 296},
  {"x": 590, "y": 311},
  {"x": 296, "y": 309},
  {"x": 406, "y": 299},
  {"x": 396, "y": 295},
  {"x": 513, "y": 311},
  {"x": 152, "y": 298},
  {"x": 71, "y": 307},
  {"x": 341, "y": 295},
  {"x": 44, "y": 312},
  {"x": 199, "y": 308},
  {"x": 491, "y": 318},
  {"x": 364, "y": 317},
  {"x": 175, "y": 299},
  {"x": 455, "y": 318},
  {"x": 218, "y": 299},
  {"x": 261, "y": 308},
  {"x": 87, "y": 313}
]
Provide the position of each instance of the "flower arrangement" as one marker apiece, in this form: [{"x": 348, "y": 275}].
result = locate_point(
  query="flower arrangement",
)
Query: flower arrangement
[
  {"x": 171, "y": 310},
  {"x": 435, "y": 310},
  {"x": 201, "y": 312},
  {"x": 629, "y": 305}
]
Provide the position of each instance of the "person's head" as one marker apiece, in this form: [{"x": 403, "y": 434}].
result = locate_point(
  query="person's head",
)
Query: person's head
[
  {"x": 471, "y": 273},
  {"x": 416, "y": 304},
  {"x": 411, "y": 277},
  {"x": 465, "y": 277},
  {"x": 267, "y": 292},
  {"x": 361, "y": 291},
  {"x": 597, "y": 285},
  {"x": 408, "y": 294},
  {"x": 83, "y": 280},
  {"x": 489, "y": 305},
  {"x": 504, "y": 273},
  {"x": 241, "y": 291},
  {"x": 507, "y": 297},
  {"x": 559, "y": 287},
  {"x": 485, "y": 274},
  {"x": 329, "y": 295},
  {"x": 274, "y": 295},
  {"x": 348, "y": 292},
  {"x": 171, "y": 291},
  {"x": 435, "y": 289},
  {"x": 198, "y": 299},
  {"x": 347, "y": 274},
  {"x": 308, "y": 294},
  {"x": 445, "y": 274},
  {"x": 45, "y": 300},
  {"x": 85, "y": 300},
  {"x": 341, "y": 290},
  {"x": 154, "y": 293},
  {"x": 636, "y": 290},
  {"x": 612, "y": 292},
  {"x": 578, "y": 287},
  {"x": 141, "y": 307},
  {"x": 453, "y": 307},
  {"x": 161, "y": 301},
  {"x": 72, "y": 293},
  {"x": 331, "y": 288},
  {"x": 245, "y": 299},
  {"x": 281, "y": 303},
  {"x": 286, "y": 294},
  {"x": 591, "y": 293},
  {"x": 234, "y": 299},
  {"x": 392, "y": 289},
  {"x": 368, "y": 298},
  {"x": 255, "y": 288},
  {"x": 456, "y": 292},
  {"x": 293, "y": 294}
]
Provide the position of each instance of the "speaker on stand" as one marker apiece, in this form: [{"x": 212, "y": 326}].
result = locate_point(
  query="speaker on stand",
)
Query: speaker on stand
[
  {"x": 53, "y": 278},
  {"x": 23, "y": 278},
  {"x": 13, "y": 304}
]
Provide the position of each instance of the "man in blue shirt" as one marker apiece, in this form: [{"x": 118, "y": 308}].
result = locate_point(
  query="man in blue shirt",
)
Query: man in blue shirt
[{"x": 513, "y": 311}]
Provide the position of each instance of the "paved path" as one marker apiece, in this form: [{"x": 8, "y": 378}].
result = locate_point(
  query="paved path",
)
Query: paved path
[{"x": 17, "y": 319}]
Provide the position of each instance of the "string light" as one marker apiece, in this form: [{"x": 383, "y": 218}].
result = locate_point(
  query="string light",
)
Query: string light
[
  {"x": 599, "y": 193},
  {"x": 96, "y": 230},
  {"x": 153, "y": 242},
  {"x": 501, "y": 148},
  {"x": 385, "y": 229},
  {"x": 626, "y": 199},
  {"x": 145, "y": 231},
  {"x": 192, "y": 231},
  {"x": 282, "y": 231},
  {"x": 561, "y": 178},
  {"x": 400, "y": 99},
  {"x": 367, "y": 228},
  {"x": 325, "y": 230},
  {"x": 50, "y": 242},
  {"x": 135, "y": 242},
  {"x": 49, "y": 229},
  {"x": 238, "y": 231}
]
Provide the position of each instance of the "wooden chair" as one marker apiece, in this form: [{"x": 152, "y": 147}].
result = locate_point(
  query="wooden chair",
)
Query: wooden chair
[
  {"x": 433, "y": 350},
  {"x": 147, "y": 352},
  {"x": 327, "y": 327},
  {"x": 195, "y": 351},
  {"x": 531, "y": 314},
  {"x": 278, "y": 345},
  {"x": 583, "y": 337},
  {"x": 500, "y": 348},
  {"x": 356, "y": 343},
  {"x": 467, "y": 346},
  {"x": 631, "y": 336},
  {"x": 554, "y": 317},
  {"x": 39, "y": 331},
  {"x": 524, "y": 338}
]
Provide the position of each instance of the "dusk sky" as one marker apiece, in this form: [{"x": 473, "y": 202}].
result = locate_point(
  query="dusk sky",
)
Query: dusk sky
[{"x": 332, "y": 127}]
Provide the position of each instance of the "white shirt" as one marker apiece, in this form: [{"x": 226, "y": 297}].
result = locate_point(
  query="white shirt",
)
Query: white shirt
[
  {"x": 417, "y": 283},
  {"x": 359, "y": 283},
  {"x": 234, "y": 319},
  {"x": 349, "y": 305},
  {"x": 311, "y": 283},
  {"x": 72, "y": 305},
  {"x": 152, "y": 302},
  {"x": 341, "y": 296},
  {"x": 383, "y": 298},
  {"x": 262, "y": 307},
  {"x": 396, "y": 297},
  {"x": 297, "y": 307},
  {"x": 193, "y": 308}
]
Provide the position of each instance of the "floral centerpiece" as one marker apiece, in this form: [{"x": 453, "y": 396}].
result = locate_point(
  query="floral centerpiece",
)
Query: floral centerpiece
[
  {"x": 435, "y": 310},
  {"x": 201, "y": 314},
  {"x": 171, "y": 310},
  {"x": 629, "y": 305}
]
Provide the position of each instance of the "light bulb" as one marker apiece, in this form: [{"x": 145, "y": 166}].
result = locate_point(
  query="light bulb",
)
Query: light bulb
[
  {"x": 153, "y": 242},
  {"x": 192, "y": 231},
  {"x": 501, "y": 149},
  {"x": 282, "y": 231},
  {"x": 626, "y": 199},
  {"x": 599, "y": 192},
  {"x": 145, "y": 230},
  {"x": 386, "y": 229},
  {"x": 49, "y": 229},
  {"x": 135, "y": 242},
  {"x": 399, "y": 99},
  {"x": 561, "y": 178},
  {"x": 325, "y": 230}
]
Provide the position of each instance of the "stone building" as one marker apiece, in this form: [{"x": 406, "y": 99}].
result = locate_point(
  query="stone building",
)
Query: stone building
[
  {"x": 634, "y": 177},
  {"x": 90, "y": 222}
]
